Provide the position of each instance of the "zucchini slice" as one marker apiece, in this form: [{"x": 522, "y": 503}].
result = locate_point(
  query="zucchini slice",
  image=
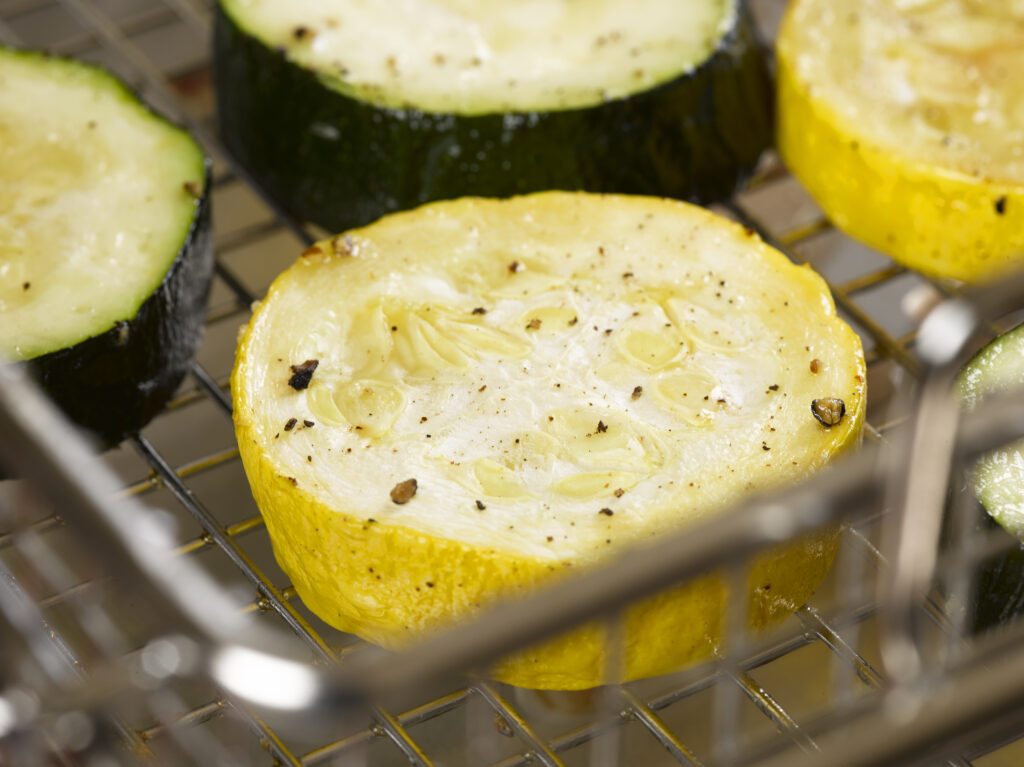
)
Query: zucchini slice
[
  {"x": 905, "y": 121},
  {"x": 998, "y": 480},
  {"x": 346, "y": 110},
  {"x": 105, "y": 251},
  {"x": 461, "y": 401}
]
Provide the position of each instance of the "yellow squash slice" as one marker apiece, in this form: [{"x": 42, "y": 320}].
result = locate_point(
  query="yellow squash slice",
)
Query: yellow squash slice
[
  {"x": 462, "y": 401},
  {"x": 905, "y": 120}
]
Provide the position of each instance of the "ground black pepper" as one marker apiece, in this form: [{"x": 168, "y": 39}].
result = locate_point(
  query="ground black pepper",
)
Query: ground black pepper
[
  {"x": 302, "y": 374},
  {"x": 404, "y": 491},
  {"x": 829, "y": 411}
]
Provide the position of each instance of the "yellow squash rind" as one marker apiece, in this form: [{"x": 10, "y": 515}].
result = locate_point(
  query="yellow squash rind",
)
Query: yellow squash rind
[
  {"x": 937, "y": 220},
  {"x": 391, "y": 584}
]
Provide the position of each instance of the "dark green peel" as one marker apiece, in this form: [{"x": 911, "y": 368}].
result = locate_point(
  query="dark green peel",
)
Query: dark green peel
[{"x": 339, "y": 162}]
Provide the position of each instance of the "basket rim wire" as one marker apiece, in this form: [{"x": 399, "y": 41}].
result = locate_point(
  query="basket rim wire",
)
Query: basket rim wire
[
  {"x": 347, "y": 682},
  {"x": 48, "y": 453}
]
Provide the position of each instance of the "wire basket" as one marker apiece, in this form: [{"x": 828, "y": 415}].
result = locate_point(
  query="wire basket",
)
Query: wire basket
[{"x": 143, "y": 619}]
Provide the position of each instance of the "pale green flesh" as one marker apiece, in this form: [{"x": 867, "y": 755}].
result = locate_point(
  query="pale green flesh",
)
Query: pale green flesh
[
  {"x": 998, "y": 478},
  {"x": 489, "y": 56},
  {"x": 97, "y": 197}
]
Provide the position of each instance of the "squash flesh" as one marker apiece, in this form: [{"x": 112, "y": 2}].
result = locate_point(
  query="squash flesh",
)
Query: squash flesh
[
  {"x": 490, "y": 56},
  {"x": 94, "y": 202}
]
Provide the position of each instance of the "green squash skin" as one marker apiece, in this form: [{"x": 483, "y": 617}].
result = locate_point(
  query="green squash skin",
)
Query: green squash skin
[
  {"x": 114, "y": 383},
  {"x": 999, "y": 587},
  {"x": 338, "y": 162},
  {"x": 997, "y": 594}
]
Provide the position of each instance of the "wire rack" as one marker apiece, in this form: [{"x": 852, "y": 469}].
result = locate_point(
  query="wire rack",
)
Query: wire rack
[{"x": 66, "y": 618}]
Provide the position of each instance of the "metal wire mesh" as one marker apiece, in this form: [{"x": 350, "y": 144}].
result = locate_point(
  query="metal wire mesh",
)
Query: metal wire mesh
[{"x": 758, "y": 697}]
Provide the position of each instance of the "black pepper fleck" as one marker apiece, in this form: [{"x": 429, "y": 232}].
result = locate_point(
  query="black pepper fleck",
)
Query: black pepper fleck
[
  {"x": 404, "y": 491},
  {"x": 343, "y": 245},
  {"x": 480, "y": 506},
  {"x": 638, "y": 392},
  {"x": 302, "y": 374},
  {"x": 479, "y": 310},
  {"x": 291, "y": 424},
  {"x": 606, "y": 511},
  {"x": 829, "y": 411},
  {"x": 602, "y": 427},
  {"x": 308, "y": 424},
  {"x": 1001, "y": 206}
]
